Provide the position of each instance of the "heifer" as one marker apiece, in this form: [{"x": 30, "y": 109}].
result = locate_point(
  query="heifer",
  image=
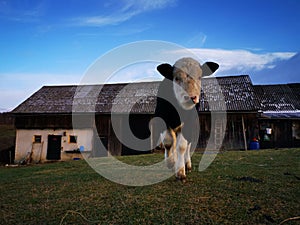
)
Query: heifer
[{"x": 178, "y": 94}]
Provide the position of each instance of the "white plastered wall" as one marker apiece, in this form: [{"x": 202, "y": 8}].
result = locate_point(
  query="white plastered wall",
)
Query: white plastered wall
[{"x": 25, "y": 143}]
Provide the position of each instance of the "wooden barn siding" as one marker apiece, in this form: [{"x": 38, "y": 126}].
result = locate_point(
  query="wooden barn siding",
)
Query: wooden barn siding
[
  {"x": 106, "y": 135},
  {"x": 50, "y": 121},
  {"x": 6, "y": 119},
  {"x": 139, "y": 127},
  {"x": 139, "y": 124},
  {"x": 102, "y": 124},
  {"x": 281, "y": 137},
  {"x": 234, "y": 138}
]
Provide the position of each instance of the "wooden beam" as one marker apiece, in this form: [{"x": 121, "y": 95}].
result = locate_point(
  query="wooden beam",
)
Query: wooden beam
[
  {"x": 151, "y": 136},
  {"x": 244, "y": 133}
]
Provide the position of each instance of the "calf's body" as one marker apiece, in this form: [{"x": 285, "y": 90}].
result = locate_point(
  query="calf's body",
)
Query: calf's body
[{"x": 177, "y": 97}]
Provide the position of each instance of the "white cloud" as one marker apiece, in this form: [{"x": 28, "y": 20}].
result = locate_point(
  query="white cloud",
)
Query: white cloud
[
  {"x": 197, "y": 40},
  {"x": 232, "y": 62},
  {"x": 239, "y": 61},
  {"x": 29, "y": 13},
  {"x": 129, "y": 9},
  {"x": 137, "y": 72}
]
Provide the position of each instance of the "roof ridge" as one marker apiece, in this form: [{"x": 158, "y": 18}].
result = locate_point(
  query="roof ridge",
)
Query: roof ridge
[{"x": 107, "y": 84}]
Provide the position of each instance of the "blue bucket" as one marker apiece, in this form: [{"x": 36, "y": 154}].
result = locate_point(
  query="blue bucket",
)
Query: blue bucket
[{"x": 254, "y": 145}]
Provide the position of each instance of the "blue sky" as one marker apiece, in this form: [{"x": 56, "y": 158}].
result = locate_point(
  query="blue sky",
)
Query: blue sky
[{"x": 50, "y": 42}]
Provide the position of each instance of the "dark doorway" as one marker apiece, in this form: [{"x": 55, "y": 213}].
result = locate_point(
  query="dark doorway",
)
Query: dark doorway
[
  {"x": 104, "y": 141},
  {"x": 139, "y": 125},
  {"x": 54, "y": 147}
]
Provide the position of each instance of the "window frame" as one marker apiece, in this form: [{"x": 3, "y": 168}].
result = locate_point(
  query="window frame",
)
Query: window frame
[
  {"x": 37, "y": 138},
  {"x": 73, "y": 139}
]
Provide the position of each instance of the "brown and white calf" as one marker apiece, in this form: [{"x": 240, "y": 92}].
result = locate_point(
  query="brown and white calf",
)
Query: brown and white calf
[{"x": 178, "y": 94}]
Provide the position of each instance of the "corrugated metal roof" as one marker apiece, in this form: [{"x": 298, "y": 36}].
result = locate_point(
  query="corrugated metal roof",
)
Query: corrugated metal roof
[
  {"x": 140, "y": 97},
  {"x": 278, "y": 97},
  {"x": 296, "y": 89},
  {"x": 282, "y": 114},
  {"x": 237, "y": 94}
]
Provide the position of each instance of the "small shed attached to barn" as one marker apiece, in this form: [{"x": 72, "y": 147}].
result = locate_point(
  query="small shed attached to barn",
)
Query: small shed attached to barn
[{"x": 279, "y": 121}]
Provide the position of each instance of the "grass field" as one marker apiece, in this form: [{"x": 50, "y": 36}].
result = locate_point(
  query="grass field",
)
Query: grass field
[{"x": 253, "y": 187}]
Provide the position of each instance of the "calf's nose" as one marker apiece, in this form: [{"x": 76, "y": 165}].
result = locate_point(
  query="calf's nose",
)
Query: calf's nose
[{"x": 194, "y": 99}]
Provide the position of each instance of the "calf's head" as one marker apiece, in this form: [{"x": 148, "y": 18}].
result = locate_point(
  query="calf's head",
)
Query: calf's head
[{"x": 186, "y": 75}]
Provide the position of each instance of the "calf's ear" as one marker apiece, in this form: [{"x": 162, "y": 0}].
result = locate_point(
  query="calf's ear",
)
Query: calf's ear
[
  {"x": 166, "y": 70},
  {"x": 209, "y": 68}
]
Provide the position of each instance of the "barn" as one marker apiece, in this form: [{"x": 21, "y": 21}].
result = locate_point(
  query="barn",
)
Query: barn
[{"x": 45, "y": 127}]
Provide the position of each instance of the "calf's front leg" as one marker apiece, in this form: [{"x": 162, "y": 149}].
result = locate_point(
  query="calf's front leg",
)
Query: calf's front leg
[
  {"x": 181, "y": 148},
  {"x": 187, "y": 158}
]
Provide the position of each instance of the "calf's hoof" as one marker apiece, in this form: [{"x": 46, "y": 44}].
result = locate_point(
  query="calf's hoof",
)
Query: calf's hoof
[
  {"x": 189, "y": 169},
  {"x": 182, "y": 179},
  {"x": 181, "y": 175}
]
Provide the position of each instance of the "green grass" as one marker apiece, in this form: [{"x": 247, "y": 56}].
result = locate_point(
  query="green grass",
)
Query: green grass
[{"x": 254, "y": 187}]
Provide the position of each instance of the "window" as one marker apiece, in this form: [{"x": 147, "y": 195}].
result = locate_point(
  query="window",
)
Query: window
[
  {"x": 72, "y": 139},
  {"x": 37, "y": 138}
]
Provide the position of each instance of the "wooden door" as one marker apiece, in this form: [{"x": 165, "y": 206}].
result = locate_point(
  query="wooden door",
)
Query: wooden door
[{"x": 54, "y": 147}]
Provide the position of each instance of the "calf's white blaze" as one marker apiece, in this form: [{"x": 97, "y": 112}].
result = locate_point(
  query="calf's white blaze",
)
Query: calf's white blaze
[{"x": 180, "y": 94}]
